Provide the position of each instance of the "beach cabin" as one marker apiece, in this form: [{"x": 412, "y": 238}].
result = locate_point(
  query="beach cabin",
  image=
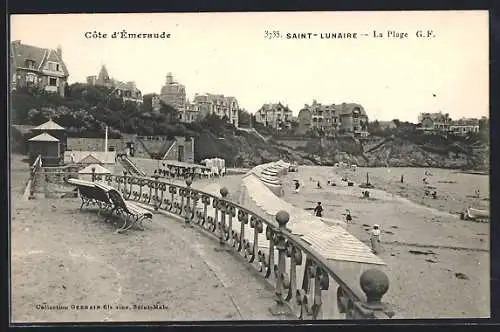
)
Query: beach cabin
[
  {"x": 85, "y": 158},
  {"x": 47, "y": 146},
  {"x": 54, "y": 130}
]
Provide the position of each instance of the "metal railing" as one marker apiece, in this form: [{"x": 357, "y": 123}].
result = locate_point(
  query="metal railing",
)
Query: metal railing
[{"x": 268, "y": 246}]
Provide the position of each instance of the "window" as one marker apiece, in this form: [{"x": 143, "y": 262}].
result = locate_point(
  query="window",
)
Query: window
[
  {"x": 30, "y": 64},
  {"x": 52, "y": 81},
  {"x": 53, "y": 66}
]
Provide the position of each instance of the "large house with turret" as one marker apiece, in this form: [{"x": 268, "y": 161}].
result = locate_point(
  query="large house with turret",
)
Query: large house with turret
[
  {"x": 37, "y": 67},
  {"x": 127, "y": 91}
]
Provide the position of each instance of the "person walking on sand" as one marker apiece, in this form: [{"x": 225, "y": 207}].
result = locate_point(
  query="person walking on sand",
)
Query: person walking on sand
[
  {"x": 297, "y": 186},
  {"x": 318, "y": 210},
  {"x": 348, "y": 217},
  {"x": 402, "y": 178},
  {"x": 375, "y": 239},
  {"x": 319, "y": 185}
]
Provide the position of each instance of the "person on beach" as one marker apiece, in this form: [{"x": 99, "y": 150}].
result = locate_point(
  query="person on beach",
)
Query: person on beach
[
  {"x": 375, "y": 239},
  {"x": 348, "y": 217},
  {"x": 318, "y": 210},
  {"x": 318, "y": 185},
  {"x": 402, "y": 178},
  {"x": 297, "y": 186}
]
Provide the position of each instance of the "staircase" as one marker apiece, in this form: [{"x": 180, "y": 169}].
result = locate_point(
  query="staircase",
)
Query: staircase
[
  {"x": 255, "y": 132},
  {"x": 130, "y": 166},
  {"x": 155, "y": 149}
]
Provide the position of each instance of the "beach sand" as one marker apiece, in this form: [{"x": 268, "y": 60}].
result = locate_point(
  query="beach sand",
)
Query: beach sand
[
  {"x": 447, "y": 273},
  {"x": 63, "y": 256}
]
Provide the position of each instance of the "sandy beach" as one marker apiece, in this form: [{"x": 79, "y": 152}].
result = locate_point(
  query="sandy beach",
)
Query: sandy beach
[
  {"x": 61, "y": 256},
  {"x": 438, "y": 264}
]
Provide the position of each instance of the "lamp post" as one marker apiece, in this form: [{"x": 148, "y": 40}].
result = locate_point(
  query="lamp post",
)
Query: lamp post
[{"x": 93, "y": 174}]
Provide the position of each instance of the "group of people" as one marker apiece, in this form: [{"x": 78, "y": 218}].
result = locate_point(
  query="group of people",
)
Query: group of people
[
  {"x": 318, "y": 212},
  {"x": 188, "y": 172}
]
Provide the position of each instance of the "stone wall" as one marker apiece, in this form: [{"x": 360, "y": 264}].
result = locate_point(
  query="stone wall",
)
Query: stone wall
[{"x": 95, "y": 144}]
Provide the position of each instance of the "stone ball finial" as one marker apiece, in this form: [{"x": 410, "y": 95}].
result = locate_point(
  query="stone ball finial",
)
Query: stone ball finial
[
  {"x": 375, "y": 284},
  {"x": 224, "y": 192},
  {"x": 282, "y": 217},
  {"x": 189, "y": 182}
]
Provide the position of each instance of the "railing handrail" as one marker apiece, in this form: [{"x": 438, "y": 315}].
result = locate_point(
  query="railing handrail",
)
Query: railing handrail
[
  {"x": 36, "y": 164},
  {"x": 357, "y": 297}
]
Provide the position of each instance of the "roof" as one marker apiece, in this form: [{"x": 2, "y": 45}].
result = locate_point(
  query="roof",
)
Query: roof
[
  {"x": 22, "y": 52},
  {"x": 90, "y": 159},
  {"x": 98, "y": 169},
  {"x": 129, "y": 86},
  {"x": 103, "y": 74},
  {"x": 49, "y": 125},
  {"x": 43, "y": 137},
  {"x": 23, "y": 129},
  {"x": 102, "y": 157},
  {"x": 348, "y": 108}
]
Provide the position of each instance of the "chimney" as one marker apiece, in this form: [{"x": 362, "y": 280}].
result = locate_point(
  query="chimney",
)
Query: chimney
[{"x": 59, "y": 50}]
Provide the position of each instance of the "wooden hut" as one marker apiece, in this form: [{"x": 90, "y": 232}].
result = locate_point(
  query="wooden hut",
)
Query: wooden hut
[
  {"x": 47, "y": 146},
  {"x": 54, "y": 130}
]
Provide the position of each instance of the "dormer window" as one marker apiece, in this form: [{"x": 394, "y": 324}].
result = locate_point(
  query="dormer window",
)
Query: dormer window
[
  {"x": 53, "y": 66},
  {"x": 30, "y": 64}
]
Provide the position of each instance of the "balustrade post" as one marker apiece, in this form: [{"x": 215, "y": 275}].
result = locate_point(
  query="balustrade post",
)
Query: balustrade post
[
  {"x": 124, "y": 182},
  {"x": 222, "y": 225},
  {"x": 187, "y": 214},
  {"x": 281, "y": 308},
  {"x": 32, "y": 186},
  {"x": 156, "y": 193},
  {"x": 374, "y": 284}
]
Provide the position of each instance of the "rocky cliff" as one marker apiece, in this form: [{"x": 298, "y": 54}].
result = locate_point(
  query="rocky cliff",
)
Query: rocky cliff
[{"x": 248, "y": 150}]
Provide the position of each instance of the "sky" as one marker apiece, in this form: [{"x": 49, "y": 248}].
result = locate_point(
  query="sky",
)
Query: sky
[{"x": 227, "y": 53}]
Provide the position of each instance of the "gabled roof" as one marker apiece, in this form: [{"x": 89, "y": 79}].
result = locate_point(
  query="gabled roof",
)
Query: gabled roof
[
  {"x": 101, "y": 157},
  {"x": 97, "y": 168},
  {"x": 49, "y": 125},
  {"x": 90, "y": 159},
  {"x": 22, "y": 52},
  {"x": 44, "y": 137}
]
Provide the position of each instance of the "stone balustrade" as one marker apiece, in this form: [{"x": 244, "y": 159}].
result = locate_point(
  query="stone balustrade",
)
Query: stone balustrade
[{"x": 306, "y": 284}]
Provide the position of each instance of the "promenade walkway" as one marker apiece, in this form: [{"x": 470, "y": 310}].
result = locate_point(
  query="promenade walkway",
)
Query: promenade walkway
[{"x": 62, "y": 257}]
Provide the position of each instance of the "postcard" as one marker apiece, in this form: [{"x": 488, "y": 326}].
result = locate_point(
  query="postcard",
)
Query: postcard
[{"x": 193, "y": 167}]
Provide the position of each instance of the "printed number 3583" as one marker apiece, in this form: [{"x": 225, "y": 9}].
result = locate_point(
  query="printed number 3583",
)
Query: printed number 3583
[{"x": 271, "y": 34}]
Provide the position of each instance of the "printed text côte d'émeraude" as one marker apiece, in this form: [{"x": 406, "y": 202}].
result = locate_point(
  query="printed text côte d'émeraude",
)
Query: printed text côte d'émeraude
[{"x": 124, "y": 34}]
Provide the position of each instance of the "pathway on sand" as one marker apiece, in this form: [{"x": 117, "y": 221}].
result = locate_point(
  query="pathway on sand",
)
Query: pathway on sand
[
  {"x": 63, "y": 256},
  {"x": 429, "y": 279}
]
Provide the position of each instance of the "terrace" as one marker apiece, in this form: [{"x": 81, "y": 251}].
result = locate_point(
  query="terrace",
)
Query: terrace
[{"x": 204, "y": 256}]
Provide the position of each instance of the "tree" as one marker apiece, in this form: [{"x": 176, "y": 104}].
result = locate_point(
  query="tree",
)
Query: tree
[{"x": 244, "y": 117}]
